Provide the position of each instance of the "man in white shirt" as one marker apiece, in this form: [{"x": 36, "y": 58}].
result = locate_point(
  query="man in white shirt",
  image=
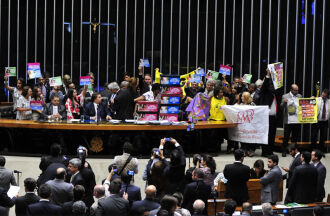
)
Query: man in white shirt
[
  {"x": 323, "y": 115},
  {"x": 289, "y": 106}
]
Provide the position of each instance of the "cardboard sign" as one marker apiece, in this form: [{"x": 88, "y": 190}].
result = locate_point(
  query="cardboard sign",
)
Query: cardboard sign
[
  {"x": 10, "y": 71},
  {"x": 247, "y": 78},
  {"x": 55, "y": 81},
  {"x": 225, "y": 70},
  {"x": 144, "y": 62},
  {"x": 200, "y": 71},
  {"x": 170, "y": 100},
  {"x": 195, "y": 78},
  {"x": 85, "y": 80},
  {"x": 170, "y": 80},
  {"x": 34, "y": 70},
  {"x": 169, "y": 110},
  {"x": 276, "y": 71},
  {"x": 307, "y": 110},
  {"x": 212, "y": 75}
]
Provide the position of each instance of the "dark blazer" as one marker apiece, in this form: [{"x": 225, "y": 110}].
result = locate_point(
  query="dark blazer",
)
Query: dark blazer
[
  {"x": 90, "y": 111},
  {"x": 49, "y": 173},
  {"x": 133, "y": 192},
  {"x": 322, "y": 172},
  {"x": 124, "y": 105},
  {"x": 237, "y": 175},
  {"x": 47, "y": 160},
  {"x": 146, "y": 203},
  {"x": 5, "y": 200},
  {"x": 44, "y": 208},
  {"x": 48, "y": 110},
  {"x": 78, "y": 180},
  {"x": 67, "y": 208},
  {"x": 296, "y": 162},
  {"x": 302, "y": 186},
  {"x": 23, "y": 202},
  {"x": 266, "y": 96},
  {"x": 113, "y": 205},
  {"x": 191, "y": 92},
  {"x": 89, "y": 184},
  {"x": 142, "y": 85},
  {"x": 193, "y": 191}
]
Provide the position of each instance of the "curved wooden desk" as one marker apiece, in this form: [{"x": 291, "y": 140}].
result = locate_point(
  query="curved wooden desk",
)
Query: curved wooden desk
[{"x": 11, "y": 123}]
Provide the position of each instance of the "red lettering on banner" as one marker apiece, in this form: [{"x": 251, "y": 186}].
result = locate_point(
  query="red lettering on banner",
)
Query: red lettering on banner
[{"x": 245, "y": 116}]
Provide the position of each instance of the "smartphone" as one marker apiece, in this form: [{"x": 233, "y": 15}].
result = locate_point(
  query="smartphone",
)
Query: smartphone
[
  {"x": 157, "y": 152},
  {"x": 167, "y": 139},
  {"x": 114, "y": 167},
  {"x": 130, "y": 172}
]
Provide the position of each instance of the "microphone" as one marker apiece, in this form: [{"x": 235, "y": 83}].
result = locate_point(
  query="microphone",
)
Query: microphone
[{"x": 16, "y": 171}]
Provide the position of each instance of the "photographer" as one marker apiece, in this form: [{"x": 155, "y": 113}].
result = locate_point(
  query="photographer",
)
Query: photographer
[
  {"x": 175, "y": 171},
  {"x": 133, "y": 192},
  {"x": 155, "y": 156},
  {"x": 196, "y": 159}
]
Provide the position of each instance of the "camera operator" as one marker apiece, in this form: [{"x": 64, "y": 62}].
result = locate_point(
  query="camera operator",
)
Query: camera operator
[
  {"x": 155, "y": 156},
  {"x": 196, "y": 159},
  {"x": 133, "y": 192},
  {"x": 175, "y": 171}
]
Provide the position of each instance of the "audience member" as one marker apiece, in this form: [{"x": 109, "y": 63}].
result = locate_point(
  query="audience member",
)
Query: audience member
[
  {"x": 126, "y": 162},
  {"x": 114, "y": 204},
  {"x": 289, "y": 106},
  {"x": 322, "y": 125},
  {"x": 145, "y": 83},
  {"x": 15, "y": 91},
  {"x": 5, "y": 202},
  {"x": 96, "y": 110},
  {"x": 256, "y": 95},
  {"x": 155, "y": 156},
  {"x": 252, "y": 89},
  {"x": 196, "y": 190},
  {"x": 258, "y": 170},
  {"x": 61, "y": 191},
  {"x": 76, "y": 177},
  {"x": 37, "y": 96},
  {"x": 44, "y": 207},
  {"x": 54, "y": 157},
  {"x": 6, "y": 176},
  {"x": 267, "y": 209},
  {"x": 167, "y": 207},
  {"x": 271, "y": 181},
  {"x": 54, "y": 110},
  {"x": 73, "y": 105},
  {"x": 56, "y": 92},
  {"x": 148, "y": 203},
  {"x": 78, "y": 195},
  {"x": 79, "y": 208},
  {"x": 209, "y": 87},
  {"x": 49, "y": 173},
  {"x": 133, "y": 192},
  {"x": 179, "y": 209},
  {"x": 217, "y": 101},
  {"x": 294, "y": 152},
  {"x": 230, "y": 206},
  {"x": 199, "y": 207},
  {"x": 237, "y": 175},
  {"x": 152, "y": 95},
  {"x": 192, "y": 90},
  {"x": 157, "y": 177},
  {"x": 303, "y": 185},
  {"x": 208, "y": 168},
  {"x": 22, "y": 202},
  {"x": 99, "y": 194},
  {"x": 246, "y": 209},
  {"x": 196, "y": 159},
  {"x": 24, "y": 111},
  {"x": 66, "y": 80},
  {"x": 321, "y": 174}
]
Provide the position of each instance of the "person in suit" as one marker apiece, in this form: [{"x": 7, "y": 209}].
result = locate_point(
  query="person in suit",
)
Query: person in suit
[
  {"x": 5, "y": 202},
  {"x": 44, "y": 207},
  {"x": 199, "y": 207},
  {"x": 289, "y": 106},
  {"x": 167, "y": 207},
  {"x": 123, "y": 105},
  {"x": 113, "y": 90},
  {"x": 229, "y": 209},
  {"x": 49, "y": 174},
  {"x": 294, "y": 152},
  {"x": 303, "y": 184},
  {"x": 271, "y": 181},
  {"x": 29, "y": 198},
  {"x": 96, "y": 110},
  {"x": 237, "y": 175},
  {"x": 54, "y": 157},
  {"x": 79, "y": 208},
  {"x": 61, "y": 191},
  {"x": 133, "y": 192},
  {"x": 54, "y": 110},
  {"x": 323, "y": 116},
  {"x": 148, "y": 203},
  {"x": 322, "y": 172},
  {"x": 246, "y": 209},
  {"x": 267, "y": 209},
  {"x": 267, "y": 97},
  {"x": 114, "y": 204},
  {"x": 73, "y": 167},
  {"x": 145, "y": 83},
  {"x": 6, "y": 176},
  {"x": 196, "y": 190},
  {"x": 78, "y": 194},
  {"x": 99, "y": 194}
]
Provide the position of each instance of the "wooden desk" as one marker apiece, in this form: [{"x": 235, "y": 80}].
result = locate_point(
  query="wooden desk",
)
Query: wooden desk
[{"x": 11, "y": 123}]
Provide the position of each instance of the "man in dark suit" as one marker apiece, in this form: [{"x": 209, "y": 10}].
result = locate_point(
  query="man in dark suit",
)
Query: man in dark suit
[
  {"x": 196, "y": 190},
  {"x": 237, "y": 175},
  {"x": 114, "y": 204},
  {"x": 113, "y": 90},
  {"x": 148, "y": 203},
  {"x": 322, "y": 172},
  {"x": 49, "y": 174},
  {"x": 76, "y": 177},
  {"x": 54, "y": 157},
  {"x": 5, "y": 202},
  {"x": 294, "y": 152},
  {"x": 96, "y": 110},
  {"x": 78, "y": 194},
  {"x": 29, "y": 198},
  {"x": 44, "y": 207},
  {"x": 61, "y": 191},
  {"x": 133, "y": 192},
  {"x": 303, "y": 184},
  {"x": 271, "y": 181},
  {"x": 54, "y": 110},
  {"x": 145, "y": 83},
  {"x": 123, "y": 105},
  {"x": 267, "y": 97}
]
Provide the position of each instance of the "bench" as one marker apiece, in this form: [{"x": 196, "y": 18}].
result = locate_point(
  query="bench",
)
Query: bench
[{"x": 279, "y": 143}]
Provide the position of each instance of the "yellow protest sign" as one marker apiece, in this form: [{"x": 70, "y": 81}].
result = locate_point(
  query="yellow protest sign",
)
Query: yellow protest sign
[{"x": 307, "y": 110}]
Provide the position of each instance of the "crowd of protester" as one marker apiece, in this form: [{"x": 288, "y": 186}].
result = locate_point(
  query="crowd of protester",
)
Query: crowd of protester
[{"x": 68, "y": 187}]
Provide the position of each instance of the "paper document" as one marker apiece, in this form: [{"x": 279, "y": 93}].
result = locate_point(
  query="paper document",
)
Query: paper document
[{"x": 13, "y": 191}]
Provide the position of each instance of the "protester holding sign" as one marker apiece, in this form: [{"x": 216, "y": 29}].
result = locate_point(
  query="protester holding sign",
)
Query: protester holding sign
[
  {"x": 323, "y": 115},
  {"x": 72, "y": 105},
  {"x": 38, "y": 97},
  {"x": 24, "y": 112},
  {"x": 16, "y": 91},
  {"x": 289, "y": 106}
]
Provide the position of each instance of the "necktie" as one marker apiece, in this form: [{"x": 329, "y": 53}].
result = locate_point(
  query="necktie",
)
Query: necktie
[{"x": 324, "y": 110}]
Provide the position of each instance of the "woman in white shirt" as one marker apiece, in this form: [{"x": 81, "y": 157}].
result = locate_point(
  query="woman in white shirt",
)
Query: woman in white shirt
[
  {"x": 24, "y": 111},
  {"x": 16, "y": 91}
]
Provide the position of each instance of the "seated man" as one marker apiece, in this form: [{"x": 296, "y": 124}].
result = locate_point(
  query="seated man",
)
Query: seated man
[
  {"x": 96, "y": 110},
  {"x": 54, "y": 110}
]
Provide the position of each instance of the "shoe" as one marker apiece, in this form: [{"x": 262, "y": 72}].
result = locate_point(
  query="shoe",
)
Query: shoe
[{"x": 283, "y": 154}]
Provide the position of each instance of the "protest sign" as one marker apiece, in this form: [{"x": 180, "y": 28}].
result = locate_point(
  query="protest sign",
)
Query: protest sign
[
  {"x": 10, "y": 71},
  {"x": 247, "y": 78},
  {"x": 55, "y": 81},
  {"x": 225, "y": 70},
  {"x": 34, "y": 70},
  {"x": 144, "y": 62},
  {"x": 85, "y": 80},
  {"x": 36, "y": 105},
  {"x": 253, "y": 123},
  {"x": 307, "y": 110},
  {"x": 276, "y": 71}
]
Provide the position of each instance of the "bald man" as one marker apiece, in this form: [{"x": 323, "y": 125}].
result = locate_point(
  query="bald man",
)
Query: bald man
[
  {"x": 198, "y": 206},
  {"x": 289, "y": 106},
  {"x": 148, "y": 203},
  {"x": 99, "y": 194},
  {"x": 61, "y": 191}
]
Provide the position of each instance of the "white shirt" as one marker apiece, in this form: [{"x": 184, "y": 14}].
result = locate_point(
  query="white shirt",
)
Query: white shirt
[
  {"x": 272, "y": 110},
  {"x": 321, "y": 110},
  {"x": 315, "y": 164},
  {"x": 23, "y": 103},
  {"x": 55, "y": 110},
  {"x": 95, "y": 107}
]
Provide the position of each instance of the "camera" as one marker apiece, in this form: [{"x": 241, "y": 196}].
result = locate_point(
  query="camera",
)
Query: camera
[
  {"x": 199, "y": 159},
  {"x": 130, "y": 172},
  {"x": 81, "y": 152}
]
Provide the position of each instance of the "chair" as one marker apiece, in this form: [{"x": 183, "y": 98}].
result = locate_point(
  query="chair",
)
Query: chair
[{"x": 302, "y": 212}]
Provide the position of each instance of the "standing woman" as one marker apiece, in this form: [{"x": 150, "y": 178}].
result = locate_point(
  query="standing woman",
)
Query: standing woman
[
  {"x": 24, "y": 111},
  {"x": 16, "y": 91},
  {"x": 72, "y": 105},
  {"x": 37, "y": 96},
  {"x": 217, "y": 101}
]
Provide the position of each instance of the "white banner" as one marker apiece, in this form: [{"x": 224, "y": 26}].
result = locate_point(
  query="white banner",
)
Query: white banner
[{"x": 253, "y": 123}]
